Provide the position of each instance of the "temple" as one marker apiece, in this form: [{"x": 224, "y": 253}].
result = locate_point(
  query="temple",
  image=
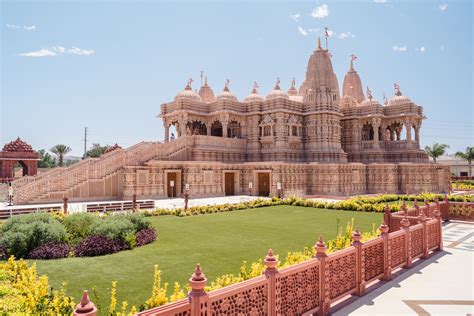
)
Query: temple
[{"x": 309, "y": 140}]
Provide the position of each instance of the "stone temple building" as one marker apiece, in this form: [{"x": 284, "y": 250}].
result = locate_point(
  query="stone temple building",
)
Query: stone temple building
[{"x": 311, "y": 140}]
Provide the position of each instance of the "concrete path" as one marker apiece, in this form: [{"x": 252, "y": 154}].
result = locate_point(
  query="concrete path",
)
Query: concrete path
[{"x": 440, "y": 285}]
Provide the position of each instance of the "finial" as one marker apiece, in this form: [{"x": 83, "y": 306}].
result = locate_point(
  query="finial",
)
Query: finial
[
  {"x": 397, "y": 89},
  {"x": 85, "y": 306},
  {"x": 188, "y": 85},
  {"x": 205, "y": 81},
  {"x": 202, "y": 74},
  {"x": 226, "y": 85},
  {"x": 319, "y": 42},
  {"x": 277, "y": 84},
  {"x": 293, "y": 83},
  {"x": 320, "y": 247},
  {"x": 353, "y": 57},
  {"x": 384, "y": 228},
  {"x": 270, "y": 260},
  {"x": 369, "y": 93},
  {"x": 385, "y": 101},
  {"x": 356, "y": 236},
  {"x": 255, "y": 87}
]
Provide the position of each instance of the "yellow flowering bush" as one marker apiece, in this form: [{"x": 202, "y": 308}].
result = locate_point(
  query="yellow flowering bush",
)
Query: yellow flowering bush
[{"x": 22, "y": 291}]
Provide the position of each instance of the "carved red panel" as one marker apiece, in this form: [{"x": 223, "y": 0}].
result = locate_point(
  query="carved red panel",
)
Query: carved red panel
[
  {"x": 373, "y": 258},
  {"x": 341, "y": 274},
  {"x": 298, "y": 292},
  {"x": 432, "y": 230},
  {"x": 416, "y": 237},
  {"x": 397, "y": 250},
  {"x": 251, "y": 301}
]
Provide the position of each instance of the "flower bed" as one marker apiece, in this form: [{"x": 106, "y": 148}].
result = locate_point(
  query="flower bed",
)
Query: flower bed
[{"x": 54, "y": 236}]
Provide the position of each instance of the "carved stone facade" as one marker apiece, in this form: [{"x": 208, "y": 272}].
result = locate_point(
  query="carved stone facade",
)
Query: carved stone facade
[{"x": 306, "y": 141}]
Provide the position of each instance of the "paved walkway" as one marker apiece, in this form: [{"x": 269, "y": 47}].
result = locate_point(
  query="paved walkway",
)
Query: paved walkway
[{"x": 440, "y": 285}]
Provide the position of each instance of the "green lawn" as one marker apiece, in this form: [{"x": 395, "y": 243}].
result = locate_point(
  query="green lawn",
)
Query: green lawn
[{"x": 220, "y": 242}]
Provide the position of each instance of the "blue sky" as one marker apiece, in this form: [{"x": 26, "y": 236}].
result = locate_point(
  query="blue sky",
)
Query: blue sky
[{"x": 109, "y": 65}]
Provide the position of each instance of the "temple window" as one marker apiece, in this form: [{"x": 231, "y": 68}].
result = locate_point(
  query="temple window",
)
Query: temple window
[
  {"x": 216, "y": 129},
  {"x": 234, "y": 130},
  {"x": 267, "y": 131},
  {"x": 294, "y": 130}
]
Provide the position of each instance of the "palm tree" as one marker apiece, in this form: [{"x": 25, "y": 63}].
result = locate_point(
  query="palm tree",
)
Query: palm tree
[
  {"x": 436, "y": 150},
  {"x": 467, "y": 155},
  {"x": 60, "y": 150}
]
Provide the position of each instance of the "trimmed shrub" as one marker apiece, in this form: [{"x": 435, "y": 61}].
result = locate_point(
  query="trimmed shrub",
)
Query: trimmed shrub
[
  {"x": 21, "y": 234},
  {"x": 139, "y": 221},
  {"x": 51, "y": 250},
  {"x": 114, "y": 227},
  {"x": 79, "y": 225},
  {"x": 98, "y": 245},
  {"x": 145, "y": 236}
]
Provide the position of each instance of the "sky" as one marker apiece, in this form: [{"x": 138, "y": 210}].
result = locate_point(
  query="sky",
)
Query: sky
[{"x": 108, "y": 66}]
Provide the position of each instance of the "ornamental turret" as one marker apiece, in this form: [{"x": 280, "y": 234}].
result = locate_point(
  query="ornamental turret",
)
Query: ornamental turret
[{"x": 352, "y": 85}]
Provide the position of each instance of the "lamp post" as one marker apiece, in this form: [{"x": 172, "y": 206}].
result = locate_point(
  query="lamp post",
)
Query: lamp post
[
  {"x": 10, "y": 194},
  {"x": 279, "y": 189},
  {"x": 186, "y": 196},
  {"x": 250, "y": 187}
]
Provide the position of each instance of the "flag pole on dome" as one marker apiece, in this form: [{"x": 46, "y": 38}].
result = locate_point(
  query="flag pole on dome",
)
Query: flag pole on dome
[
  {"x": 326, "y": 33},
  {"x": 202, "y": 74}
]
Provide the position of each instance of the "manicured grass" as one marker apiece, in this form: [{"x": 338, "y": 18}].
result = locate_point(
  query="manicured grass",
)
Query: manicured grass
[{"x": 220, "y": 242}]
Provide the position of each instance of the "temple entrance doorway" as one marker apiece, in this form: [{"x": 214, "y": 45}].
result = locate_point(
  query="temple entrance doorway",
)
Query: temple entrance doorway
[
  {"x": 229, "y": 179},
  {"x": 172, "y": 183},
  {"x": 264, "y": 184}
]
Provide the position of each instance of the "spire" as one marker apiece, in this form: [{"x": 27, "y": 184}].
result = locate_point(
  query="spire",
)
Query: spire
[
  {"x": 277, "y": 84},
  {"x": 319, "y": 43},
  {"x": 205, "y": 81},
  {"x": 226, "y": 85}
]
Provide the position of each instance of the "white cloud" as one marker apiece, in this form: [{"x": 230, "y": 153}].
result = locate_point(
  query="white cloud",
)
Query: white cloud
[
  {"x": 295, "y": 17},
  {"x": 443, "y": 7},
  {"x": 58, "y": 50},
  {"x": 320, "y": 12},
  {"x": 30, "y": 28},
  {"x": 302, "y": 31},
  {"x": 422, "y": 49},
  {"x": 441, "y": 48},
  {"x": 13, "y": 26},
  {"x": 400, "y": 48},
  {"x": 380, "y": 1},
  {"x": 345, "y": 35}
]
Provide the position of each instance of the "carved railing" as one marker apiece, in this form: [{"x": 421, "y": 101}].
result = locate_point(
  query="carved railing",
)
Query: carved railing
[{"x": 312, "y": 286}]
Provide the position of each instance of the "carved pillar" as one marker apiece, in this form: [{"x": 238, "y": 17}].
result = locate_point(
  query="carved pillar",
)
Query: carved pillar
[
  {"x": 360, "y": 275},
  {"x": 208, "y": 127},
  {"x": 408, "y": 128},
  {"x": 167, "y": 131},
  {"x": 417, "y": 134},
  {"x": 324, "y": 300},
  {"x": 375, "y": 126},
  {"x": 405, "y": 225},
  {"x": 271, "y": 272},
  {"x": 387, "y": 265},
  {"x": 224, "y": 129}
]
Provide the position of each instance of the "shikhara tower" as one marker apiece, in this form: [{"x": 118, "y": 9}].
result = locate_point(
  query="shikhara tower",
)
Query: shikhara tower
[{"x": 308, "y": 141}]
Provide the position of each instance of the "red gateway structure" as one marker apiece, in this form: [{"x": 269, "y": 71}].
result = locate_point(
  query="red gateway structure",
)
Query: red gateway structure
[{"x": 17, "y": 151}]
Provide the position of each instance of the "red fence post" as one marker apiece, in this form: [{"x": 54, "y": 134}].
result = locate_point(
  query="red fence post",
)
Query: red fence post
[
  {"x": 416, "y": 206},
  {"x": 422, "y": 220},
  {"x": 439, "y": 224},
  {"x": 405, "y": 225},
  {"x": 65, "y": 199},
  {"x": 271, "y": 273},
  {"x": 427, "y": 207},
  {"x": 446, "y": 208},
  {"x": 360, "y": 273},
  {"x": 404, "y": 207},
  {"x": 198, "y": 296},
  {"x": 85, "y": 306},
  {"x": 387, "y": 217},
  {"x": 387, "y": 266},
  {"x": 324, "y": 301}
]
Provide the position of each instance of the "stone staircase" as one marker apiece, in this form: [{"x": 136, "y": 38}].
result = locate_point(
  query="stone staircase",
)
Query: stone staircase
[{"x": 59, "y": 182}]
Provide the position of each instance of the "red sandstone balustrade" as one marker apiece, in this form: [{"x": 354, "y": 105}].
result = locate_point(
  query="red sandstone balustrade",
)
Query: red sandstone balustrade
[{"x": 312, "y": 286}]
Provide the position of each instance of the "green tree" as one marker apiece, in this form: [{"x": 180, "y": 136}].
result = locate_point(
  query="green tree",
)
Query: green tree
[
  {"x": 96, "y": 151},
  {"x": 467, "y": 155},
  {"x": 436, "y": 150},
  {"x": 60, "y": 151},
  {"x": 46, "y": 160}
]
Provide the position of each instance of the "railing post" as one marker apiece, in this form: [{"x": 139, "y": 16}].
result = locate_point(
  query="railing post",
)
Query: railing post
[
  {"x": 422, "y": 220},
  {"x": 387, "y": 265},
  {"x": 85, "y": 307},
  {"x": 387, "y": 217},
  {"x": 427, "y": 206},
  {"x": 446, "y": 207},
  {"x": 271, "y": 273},
  {"x": 404, "y": 207},
  {"x": 198, "y": 296},
  {"x": 360, "y": 273},
  {"x": 324, "y": 301},
  {"x": 439, "y": 225},
  {"x": 416, "y": 206},
  {"x": 405, "y": 225}
]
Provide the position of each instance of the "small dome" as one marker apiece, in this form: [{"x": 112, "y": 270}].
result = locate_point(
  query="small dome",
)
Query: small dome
[
  {"x": 188, "y": 93},
  {"x": 292, "y": 90},
  {"x": 296, "y": 98},
  {"x": 226, "y": 94},
  {"x": 369, "y": 102},
  {"x": 254, "y": 96},
  {"x": 206, "y": 93},
  {"x": 18, "y": 145},
  {"x": 399, "y": 99},
  {"x": 112, "y": 148},
  {"x": 347, "y": 102},
  {"x": 277, "y": 93}
]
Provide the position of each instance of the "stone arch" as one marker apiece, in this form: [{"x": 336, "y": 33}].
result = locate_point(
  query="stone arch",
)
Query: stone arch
[
  {"x": 216, "y": 128},
  {"x": 196, "y": 127},
  {"x": 234, "y": 130}
]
